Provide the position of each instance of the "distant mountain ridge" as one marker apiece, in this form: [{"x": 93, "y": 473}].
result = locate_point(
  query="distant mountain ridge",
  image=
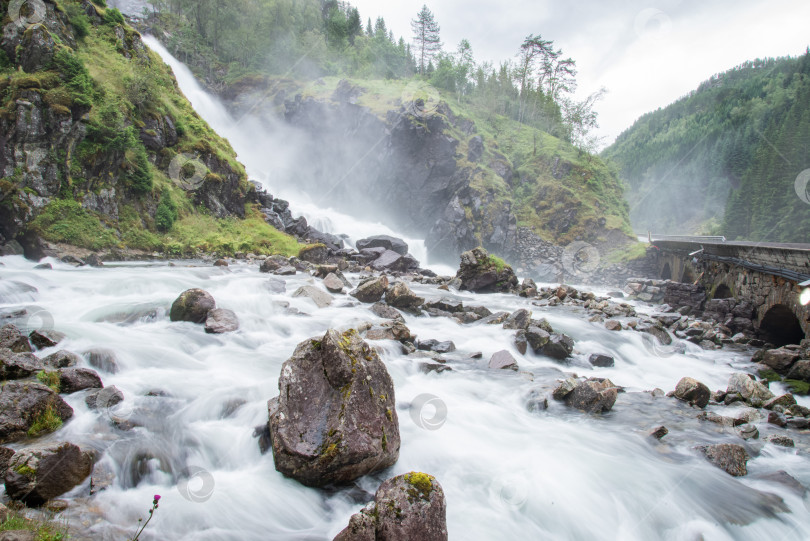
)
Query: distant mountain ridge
[{"x": 724, "y": 159}]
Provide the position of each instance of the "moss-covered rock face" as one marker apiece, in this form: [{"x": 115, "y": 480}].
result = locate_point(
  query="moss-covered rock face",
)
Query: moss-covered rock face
[
  {"x": 335, "y": 418},
  {"x": 483, "y": 273},
  {"x": 42, "y": 472},
  {"x": 95, "y": 137},
  {"x": 30, "y": 409}
]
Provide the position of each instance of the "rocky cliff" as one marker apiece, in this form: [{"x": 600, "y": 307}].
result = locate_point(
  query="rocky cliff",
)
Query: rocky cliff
[{"x": 98, "y": 147}]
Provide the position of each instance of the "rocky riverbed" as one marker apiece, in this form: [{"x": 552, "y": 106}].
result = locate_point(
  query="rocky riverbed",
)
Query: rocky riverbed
[{"x": 537, "y": 411}]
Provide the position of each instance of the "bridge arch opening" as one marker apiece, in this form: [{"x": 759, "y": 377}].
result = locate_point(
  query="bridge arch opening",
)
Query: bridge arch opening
[
  {"x": 666, "y": 274},
  {"x": 723, "y": 292},
  {"x": 781, "y": 327}
]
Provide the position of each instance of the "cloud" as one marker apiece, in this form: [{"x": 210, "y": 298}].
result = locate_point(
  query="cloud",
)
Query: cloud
[{"x": 646, "y": 53}]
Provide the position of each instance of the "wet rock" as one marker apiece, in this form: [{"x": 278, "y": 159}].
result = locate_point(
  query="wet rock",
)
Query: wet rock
[
  {"x": 601, "y": 361},
  {"x": 11, "y": 338},
  {"x": 371, "y": 290},
  {"x": 593, "y": 395},
  {"x": 192, "y": 305},
  {"x": 519, "y": 319},
  {"x": 61, "y": 359},
  {"x": 45, "y": 338},
  {"x": 748, "y": 432},
  {"x": 780, "y": 440},
  {"x": 321, "y": 298},
  {"x": 335, "y": 418},
  {"x": 799, "y": 423},
  {"x": 316, "y": 253},
  {"x": 5, "y": 457},
  {"x": 102, "y": 477},
  {"x": 380, "y": 309},
  {"x": 18, "y": 365},
  {"x": 658, "y": 332},
  {"x": 659, "y": 432},
  {"x": 333, "y": 284},
  {"x": 538, "y": 338},
  {"x": 537, "y": 401},
  {"x": 436, "y": 346},
  {"x": 785, "y": 401},
  {"x": 390, "y": 260},
  {"x": 221, "y": 321},
  {"x": 480, "y": 272},
  {"x": 220, "y": 263},
  {"x": 780, "y": 359},
  {"x": 559, "y": 347},
  {"x": 727, "y": 456},
  {"x": 102, "y": 359},
  {"x": 495, "y": 319},
  {"x": 407, "y": 507},
  {"x": 22, "y": 404},
  {"x": 286, "y": 270},
  {"x": 564, "y": 388},
  {"x": 752, "y": 392},
  {"x": 395, "y": 330},
  {"x": 503, "y": 360},
  {"x": 521, "y": 342},
  {"x": 446, "y": 304},
  {"x": 800, "y": 371},
  {"x": 613, "y": 325},
  {"x": 383, "y": 241},
  {"x": 778, "y": 419},
  {"x": 42, "y": 472},
  {"x": 276, "y": 285},
  {"x": 104, "y": 398},
  {"x": 692, "y": 391},
  {"x": 399, "y": 295},
  {"x": 73, "y": 380}
]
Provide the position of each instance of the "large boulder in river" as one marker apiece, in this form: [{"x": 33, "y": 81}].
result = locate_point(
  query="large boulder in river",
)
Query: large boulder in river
[
  {"x": 406, "y": 507},
  {"x": 371, "y": 290},
  {"x": 749, "y": 390},
  {"x": 692, "y": 391},
  {"x": 11, "y": 338},
  {"x": 192, "y": 305},
  {"x": 391, "y": 260},
  {"x": 73, "y": 380},
  {"x": 26, "y": 406},
  {"x": 780, "y": 359},
  {"x": 559, "y": 347},
  {"x": 18, "y": 365},
  {"x": 383, "y": 241},
  {"x": 594, "y": 395},
  {"x": 730, "y": 457},
  {"x": 400, "y": 296},
  {"x": 335, "y": 419},
  {"x": 221, "y": 321},
  {"x": 43, "y": 472},
  {"x": 480, "y": 272}
]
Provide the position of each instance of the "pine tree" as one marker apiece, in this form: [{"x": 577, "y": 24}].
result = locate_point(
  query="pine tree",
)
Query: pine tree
[{"x": 426, "y": 38}]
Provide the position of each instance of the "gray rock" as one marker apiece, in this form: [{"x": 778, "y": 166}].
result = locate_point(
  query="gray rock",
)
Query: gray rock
[
  {"x": 333, "y": 284},
  {"x": 380, "y": 309},
  {"x": 45, "y": 338},
  {"x": 399, "y": 295},
  {"x": 565, "y": 388},
  {"x": 21, "y": 404},
  {"x": 61, "y": 359},
  {"x": 780, "y": 440},
  {"x": 393, "y": 261},
  {"x": 503, "y": 360},
  {"x": 73, "y": 380},
  {"x": 371, "y": 290},
  {"x": 780, "y": 359},
  {"x": 659, "y": 432},
  {"x": 446, "y": 304},
  {"x": 335, "y": 418},
  {"x": 778, "y": 419},
  {"x": 102, "y": 359},
  {"x": 692, "y": 391},
  {"x": 286, "y": 270},
  {"x": 436, "y": 346},
  {"x": 538, "y": 338},
  {"x": 800, "y": 371},
  {"x": 613, "y": 325},
  {"x": 394, "y": 330},
  {"x": 192, "y": 305},
  {"x": 727, "y": 456},
  {"x": 42, "y": 472},
  {"x": 103, "y": 398},
  {"x": 481, "y": 273},
  {"x": 519, "y": 319},
  {"x": 785, "y": 401},
  {"x": 11, "y": 338},
  {"x": 592, "y": 395},
  {"x": 521, "y": 342},
  {"x": 317, "y": 253},
  {"x": 276, "y": 285},
  {"x": 18, "y": 365},
  {"x": 321, "y": 298},
  {"x": 220, "y": 321},
  {"x": 383, "y": 241},
  {"x": 495, "y": 319},
  {"x": 601, "y": 361},
  {"x": 753, "y": 392},
  {"x": 405, "y": 508},
  {"x": 559, "y": 347}
]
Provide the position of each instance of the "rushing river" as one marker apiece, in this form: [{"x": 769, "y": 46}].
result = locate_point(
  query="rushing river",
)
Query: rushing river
[{"x": 508, "y": 473}]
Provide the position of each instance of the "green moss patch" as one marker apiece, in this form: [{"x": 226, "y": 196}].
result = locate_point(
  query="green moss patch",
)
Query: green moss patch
[
  {"x": 66, "y": 221},
  {"x": 46, "y": 422}
]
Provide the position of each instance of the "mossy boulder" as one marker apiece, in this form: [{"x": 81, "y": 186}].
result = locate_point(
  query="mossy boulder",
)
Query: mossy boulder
[
  {"x": 410, "y": 506},
  {"x": 43, "y": 472},
  {"x": 482, "y": 273},
  {"x": 18, "y": 365},
  {"x": 27, "y": 407},
  {"x": 335, "y": 419},
  {"x": 11, "y": 338},
  {"x": 192, "y": 305},
  {"x": 315, "y": 253}
]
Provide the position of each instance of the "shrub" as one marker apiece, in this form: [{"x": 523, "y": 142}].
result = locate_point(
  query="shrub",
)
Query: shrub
[
  {"x": 77, "y": 78},
  {"x": 78, "y": 20},
  {"x": 166, "y": 213},
  {"x": 139, "y": 172},
  {"x": 64, "y": 220},
  {"x": 113, "y": 17}
]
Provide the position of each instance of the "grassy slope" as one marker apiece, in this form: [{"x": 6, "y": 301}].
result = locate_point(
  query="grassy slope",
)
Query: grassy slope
[{"x": 138, "y": 89}]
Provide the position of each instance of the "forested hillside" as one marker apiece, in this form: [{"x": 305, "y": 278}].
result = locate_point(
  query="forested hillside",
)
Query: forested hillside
[{"x": 725, "y": 159}]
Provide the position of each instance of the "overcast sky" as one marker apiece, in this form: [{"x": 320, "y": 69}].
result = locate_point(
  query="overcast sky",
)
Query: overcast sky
[{"x": 646, "y": 53}]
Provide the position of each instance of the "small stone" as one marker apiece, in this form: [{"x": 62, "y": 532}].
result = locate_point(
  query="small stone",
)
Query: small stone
[
  {"x": 692, "y": 391},
  {"x": 220, "y": 321},
  {"x": 748, "y": 432},
  {"x": 659, "y": 432},
  {"x": 73, "y": 380},
  {"x": 45, "y": 338},
  {"x": 777, "y": 419},
  {"x": 372, "y": 290},
  {"x": 520, "y": 319},
  {"x": 321, "y": 298},
  {"x": 286, "y": 270},
  {"x": 613, "y": 325},
  {"x": 559, "y": 347},
  {"x": 564, "y": 389},
  {"x": 779, "y": 439},
  {"x": 601, "y": 361},
  {"x": 727, "y": 456},
  {"x": 503, "y": 360},
  {"x": 785, "y": 401},
  {"x": 333, "y": 284},
  {"x": 220, "y": 263},
  {"x": 521, "y": 343}
]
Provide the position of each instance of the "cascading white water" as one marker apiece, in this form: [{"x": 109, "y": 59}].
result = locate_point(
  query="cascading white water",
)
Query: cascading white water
[
  {"x": 507, "y": 472},
  {"x": 269, "y": 153}
]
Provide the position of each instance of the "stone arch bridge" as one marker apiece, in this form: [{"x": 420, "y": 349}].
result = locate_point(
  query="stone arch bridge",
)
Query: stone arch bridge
[{"x": 768, "y": 275}]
